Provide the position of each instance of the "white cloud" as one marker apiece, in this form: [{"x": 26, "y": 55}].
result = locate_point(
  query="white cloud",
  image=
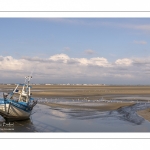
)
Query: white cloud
[
  {"x": 61, "y": 68},
  {"x": 9, "y": 63},
  {"x": 99, "y": 61},
  {"x": 81, "y": 61},
  {"x": 59, "y": 57},
  {"x": 125, "y": 61}
]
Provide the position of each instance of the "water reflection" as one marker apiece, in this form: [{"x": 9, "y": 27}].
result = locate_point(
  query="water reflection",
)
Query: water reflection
[
  {"x": 49, "y": 119},
  {"x": 125, "y": 113},
  {"x": 87, "y": 120}
]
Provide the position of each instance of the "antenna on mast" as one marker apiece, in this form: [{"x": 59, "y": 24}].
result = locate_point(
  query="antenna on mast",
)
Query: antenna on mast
[
  {"x": 32, "y": 71},
  {"x": 27, "y": 79}
]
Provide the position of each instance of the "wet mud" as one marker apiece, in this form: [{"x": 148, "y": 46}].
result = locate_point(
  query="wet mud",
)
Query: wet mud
[{"x": 46, "y": 118}]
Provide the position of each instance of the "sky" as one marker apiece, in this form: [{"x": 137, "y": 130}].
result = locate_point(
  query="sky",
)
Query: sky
[{"x": 75, "y": 50}]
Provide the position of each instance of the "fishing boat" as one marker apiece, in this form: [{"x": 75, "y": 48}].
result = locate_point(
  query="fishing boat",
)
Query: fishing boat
[{"x": 18, "y": 104}]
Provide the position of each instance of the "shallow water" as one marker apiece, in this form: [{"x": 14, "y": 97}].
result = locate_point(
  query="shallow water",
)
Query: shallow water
[{"x": 47, "y": 119}]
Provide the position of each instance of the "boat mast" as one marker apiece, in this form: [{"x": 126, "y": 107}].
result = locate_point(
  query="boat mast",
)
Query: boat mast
[
  {"x": 29, "y": 78},
  {"x": 26, "y": 87}
]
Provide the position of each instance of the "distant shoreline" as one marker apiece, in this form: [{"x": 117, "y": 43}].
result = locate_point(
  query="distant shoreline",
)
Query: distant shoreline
[{"x": 72, "y": 90}]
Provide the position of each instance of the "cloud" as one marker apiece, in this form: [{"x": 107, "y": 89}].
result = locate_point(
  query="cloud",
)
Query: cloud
[
  {"x": 96, "y": 61},
  {"x": 81, "y": 61},
  {"x": 9, "y": 63},
  {"x": 60, "y": 57},
  {"x": 140, "y": 42},
  {"x": 125, "y": 61},
  {"x": 1, "y": 58},
  {"x": 141, "y": 61},
  {"x": 36, "y": 59},
  {"x": 61, "y": 68},
  {"x": 124, "y": 75},
  {"x": 99, "y": 62},
  {"x": 89, "y": 52}
]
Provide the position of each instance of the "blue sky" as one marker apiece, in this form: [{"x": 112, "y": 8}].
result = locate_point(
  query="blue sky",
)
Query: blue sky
[{"x": 76, "y": 50}]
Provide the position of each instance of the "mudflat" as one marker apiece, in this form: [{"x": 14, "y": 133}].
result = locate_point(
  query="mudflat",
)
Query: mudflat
[
  {"x": 88, "y": 92},
  {"x": 145, "y": 114},
  {"x": 102, "y": 107},
  {"x": 82, "y": 90}
]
